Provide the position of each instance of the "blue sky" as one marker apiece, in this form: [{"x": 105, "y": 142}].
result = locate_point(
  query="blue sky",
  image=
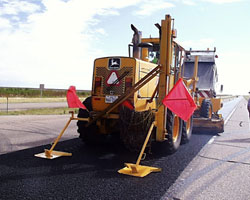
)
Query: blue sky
[{"x": 55, "y": 42}]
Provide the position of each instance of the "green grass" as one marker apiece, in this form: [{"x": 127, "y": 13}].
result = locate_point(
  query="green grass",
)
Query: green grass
[
  {"x": 31, "y": 92},
  {"x": 39, "y": 111},
  {"x": 34, "y": 99},
  {"x": 42, "y": 111},
  {"x": 247, "y": 97}
]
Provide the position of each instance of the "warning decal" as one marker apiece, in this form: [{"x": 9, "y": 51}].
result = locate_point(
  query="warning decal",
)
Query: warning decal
[{"x": 113, "y": 79}]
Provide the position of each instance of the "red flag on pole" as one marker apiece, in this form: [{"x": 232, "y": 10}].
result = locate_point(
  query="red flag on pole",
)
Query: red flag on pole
[
  {"x": 127, "y": 104},
  {"x": 73, "y": 100},
  {"x": 179, "y": 101}
]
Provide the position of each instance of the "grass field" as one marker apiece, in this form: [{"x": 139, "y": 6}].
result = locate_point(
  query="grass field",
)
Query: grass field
[
  {"x": 32, "y": 92},
  {"x": 31, "y": 95},
  {"x": 247, "y": 97},
  {"x": 42, "y": 111},
  {"x": 34, "y": 99}
]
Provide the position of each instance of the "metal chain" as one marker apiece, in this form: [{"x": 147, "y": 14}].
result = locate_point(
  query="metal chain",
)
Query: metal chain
[{"x": 134, "y": 127}]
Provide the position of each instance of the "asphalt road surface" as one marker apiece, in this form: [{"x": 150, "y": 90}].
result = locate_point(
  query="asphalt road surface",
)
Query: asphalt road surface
[
  {"x": 26, "y": 106},
  {"x": 221, "y": 169},
  {"x": 208, "y": 167},
  {"x": 22, "y": 132}
]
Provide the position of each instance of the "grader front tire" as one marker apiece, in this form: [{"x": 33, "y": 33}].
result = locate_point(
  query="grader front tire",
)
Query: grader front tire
[
  {"x": 206, "y": 108},
  {"x": 174, "y": 129},
  {"x": 187, "y": 129}
]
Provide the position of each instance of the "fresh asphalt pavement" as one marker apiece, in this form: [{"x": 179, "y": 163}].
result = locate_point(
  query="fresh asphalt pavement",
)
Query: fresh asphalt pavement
[{"x": 208, "y": 167}]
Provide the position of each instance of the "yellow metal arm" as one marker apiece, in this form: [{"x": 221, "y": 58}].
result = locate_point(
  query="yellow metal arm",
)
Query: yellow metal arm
[{"x": 51, "y": 154}]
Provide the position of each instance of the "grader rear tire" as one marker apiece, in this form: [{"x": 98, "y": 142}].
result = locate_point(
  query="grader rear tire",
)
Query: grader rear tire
[
  {"x": 134, "y": 126},
  {"x": 174, "y": 129}
]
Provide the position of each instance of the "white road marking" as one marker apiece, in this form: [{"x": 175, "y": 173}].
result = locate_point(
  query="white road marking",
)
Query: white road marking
[
  {"x": 229, "y": 116},
  {"x": 212, "y": 140}
]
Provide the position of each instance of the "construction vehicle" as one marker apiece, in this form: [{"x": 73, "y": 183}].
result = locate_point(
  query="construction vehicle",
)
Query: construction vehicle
[
  {"x": 206, "y": 117},
  {"x": 129, "y": 96},
  {"x": 127, "y": 93}
]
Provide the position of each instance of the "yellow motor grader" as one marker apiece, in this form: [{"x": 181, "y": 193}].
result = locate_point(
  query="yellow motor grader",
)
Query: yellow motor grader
[
  {"x": 127, "y": 98},
  {"x": 206, "y": 117},
  {"x": 127, "y": 93}
]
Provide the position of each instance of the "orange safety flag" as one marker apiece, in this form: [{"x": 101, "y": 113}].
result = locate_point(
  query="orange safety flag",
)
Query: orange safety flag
[
  {"x": 73, "y": 100},
  {"x": 127, "y": 104},
  {"x": 179, "y": 101}
]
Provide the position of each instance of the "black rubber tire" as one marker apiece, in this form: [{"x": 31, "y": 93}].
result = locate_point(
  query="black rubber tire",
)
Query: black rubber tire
[
  {"x": 87, "y": 134},
  {"x": 187, "y": 130},
  {"x": 206, "y": 108},
  {"x": 87, "y": 102},
  {"x": 172, "y": 142}
]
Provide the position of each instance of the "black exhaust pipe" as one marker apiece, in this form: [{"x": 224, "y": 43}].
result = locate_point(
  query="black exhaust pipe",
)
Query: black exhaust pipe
[{"x": 136, "y": 41}]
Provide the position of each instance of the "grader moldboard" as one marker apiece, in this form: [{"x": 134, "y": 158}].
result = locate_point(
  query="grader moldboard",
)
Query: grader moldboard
[{"x": 127, "y": 95}]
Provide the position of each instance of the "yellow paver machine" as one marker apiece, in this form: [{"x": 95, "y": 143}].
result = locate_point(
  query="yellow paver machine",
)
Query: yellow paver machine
[{"x": 206, "y": 117}]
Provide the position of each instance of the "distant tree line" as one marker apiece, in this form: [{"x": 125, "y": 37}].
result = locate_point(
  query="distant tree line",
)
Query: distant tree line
[{"x": 36, "y": 92}]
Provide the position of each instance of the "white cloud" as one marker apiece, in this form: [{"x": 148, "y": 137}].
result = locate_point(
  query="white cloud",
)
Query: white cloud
[
  {"x": 189, "y": 2},
  {"x": 4, "y": 24},
  {"x": 108, "y": 12},
  {"x": 51, "y": 45},
  {"x": 14, "y": 7},
  {"x": 202, "y": 43},
  {"x": 233, "y": 72},
  {"x": 222, "y": 1},
  {"x": 195, "y": 2},
  {"x": 149, "y": 7},
  {"x": 101, "y": 31}
]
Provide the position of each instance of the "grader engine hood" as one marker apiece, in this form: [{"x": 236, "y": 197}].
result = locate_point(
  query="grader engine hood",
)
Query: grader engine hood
[{"x": 112, "y": 76}]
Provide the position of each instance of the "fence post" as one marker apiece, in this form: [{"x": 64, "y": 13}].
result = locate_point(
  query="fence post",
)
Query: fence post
[
  {"x": 41, "y": 90},
  {"x": 7, "y": 104}
]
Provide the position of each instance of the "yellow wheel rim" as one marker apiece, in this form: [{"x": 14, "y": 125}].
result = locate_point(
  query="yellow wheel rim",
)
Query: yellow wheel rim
[
  {"x": 176, "y": 128},
  {"x": 188, "y": 125},
  {"x": 210, "y": 112}
]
